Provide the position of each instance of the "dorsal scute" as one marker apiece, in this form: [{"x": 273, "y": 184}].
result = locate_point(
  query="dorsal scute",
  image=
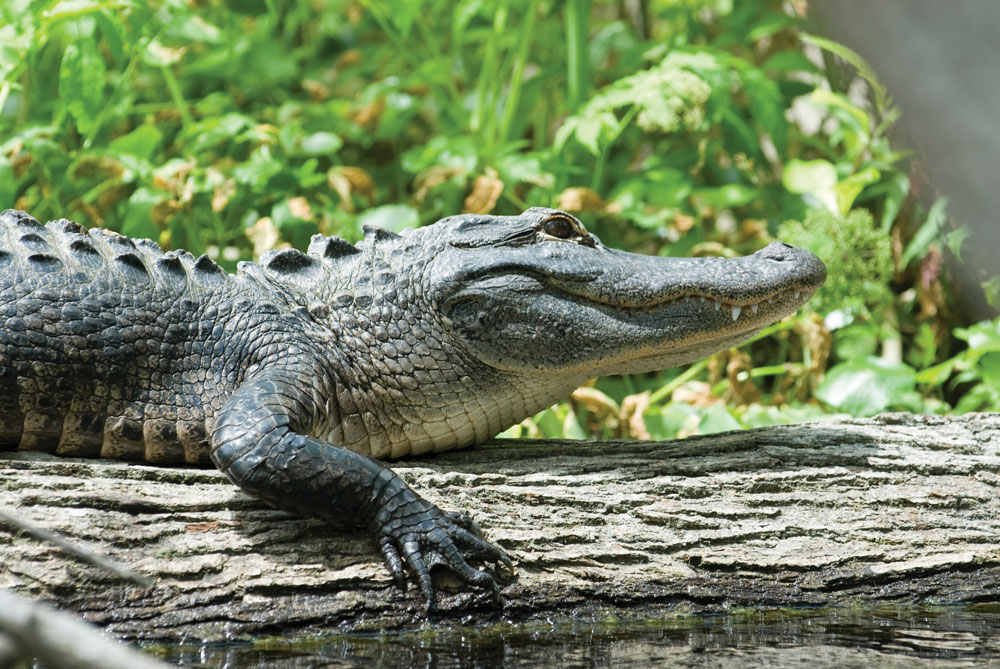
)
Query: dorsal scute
[
  {"x": 207, "y": 271},
  {"x": 116, "y": 242},
  {"x": 292, "y": 265},
  {"x": 149, "y": 248},
  {"x": 373, "y": 233},
  {"x": 131, "y": 265},
  {"x": 64, "y": 226},
  {"x": 288, "y": 261},
  {"x": 331, "y": 248},
  {"x": 170, "y": 270},
  {"x": 19, "y": 219}
]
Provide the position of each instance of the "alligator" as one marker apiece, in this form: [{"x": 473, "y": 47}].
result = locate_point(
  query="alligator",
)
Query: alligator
[{"x": 295, "y": 376}]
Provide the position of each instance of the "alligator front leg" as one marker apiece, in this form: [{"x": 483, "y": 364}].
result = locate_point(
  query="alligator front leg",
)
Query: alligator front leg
[{"x": 256, "y": 441}]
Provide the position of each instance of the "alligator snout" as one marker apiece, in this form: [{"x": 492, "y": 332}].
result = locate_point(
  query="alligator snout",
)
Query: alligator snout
[{"x": 807, "y": 267}]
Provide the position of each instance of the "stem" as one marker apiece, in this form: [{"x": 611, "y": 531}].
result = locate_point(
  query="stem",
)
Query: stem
[
  {"x": 577, "y": 16},
  {"x": 677, "y": 382},
  {"x": 517, "y": 76},
  {"x": 488, "y": 74},
  {"x": 757, "y": 372},
  {"x": 177, "y": 96},
  {"x": 595, "y": 179},
  {"x": 4, "y": 92}
]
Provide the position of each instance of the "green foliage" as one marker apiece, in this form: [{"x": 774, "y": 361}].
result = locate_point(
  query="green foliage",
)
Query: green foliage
[
  {"x": 977, "y": 368},
  {"x": 230, "y": 128},
  {"x": 858, "y": 260}
]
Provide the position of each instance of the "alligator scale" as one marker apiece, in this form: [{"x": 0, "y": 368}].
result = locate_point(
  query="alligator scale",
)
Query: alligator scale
[{"x": 295, "y": 374}]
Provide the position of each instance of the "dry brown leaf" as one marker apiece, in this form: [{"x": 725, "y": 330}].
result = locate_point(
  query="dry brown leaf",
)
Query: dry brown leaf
[
  {"x": 317, "y": 90},
  {"x": 222, "y": 194},
  {"x": 581, "y": 199},
  {"x": 695, "y": 393},
  {"x": 348, "y": 58},
  {"x": 299, "y": 206},
  {"x": 264, "y": 235},
  {"x": 486, "y": 190},
  {"x": 741, "y": 389},
  {"x": 819, "y": 340},
  {"x": 163, "y": 211},
  {"x": 633, "y": 409},
  {"x": 431, "y": 177},
  {"x": 346, "y": 180},
  {"x": 683, "y": 222},
  {"x": 369, "y": 114}
]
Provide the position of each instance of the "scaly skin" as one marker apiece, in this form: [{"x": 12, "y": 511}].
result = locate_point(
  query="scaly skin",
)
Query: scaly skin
[{"x": 292, "y": 375}]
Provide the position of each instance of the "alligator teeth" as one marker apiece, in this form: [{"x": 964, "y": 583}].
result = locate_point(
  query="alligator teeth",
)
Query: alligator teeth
[
  {"x": 702, "y": 298},
  {"x": 718, "y": 305},
  {"x": 736, "y": 313},
  {"x": 797, "y": 293},
  {"x": 770, "y": 299},
  {"x": 753, "y": 307}
]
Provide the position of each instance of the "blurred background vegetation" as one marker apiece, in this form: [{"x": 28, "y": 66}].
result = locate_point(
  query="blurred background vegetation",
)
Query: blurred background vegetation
[{"x": 673, "y": 127}]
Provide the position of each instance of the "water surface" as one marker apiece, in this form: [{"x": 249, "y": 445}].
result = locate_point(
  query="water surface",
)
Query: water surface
[{"x": 913, "y": 636}]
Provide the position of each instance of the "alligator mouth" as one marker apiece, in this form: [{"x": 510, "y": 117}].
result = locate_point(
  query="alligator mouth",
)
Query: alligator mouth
[{"x": 792, "y": 298}]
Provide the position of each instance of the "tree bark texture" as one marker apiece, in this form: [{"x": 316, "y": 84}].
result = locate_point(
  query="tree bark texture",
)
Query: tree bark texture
[{"x": 899, "y": 508}]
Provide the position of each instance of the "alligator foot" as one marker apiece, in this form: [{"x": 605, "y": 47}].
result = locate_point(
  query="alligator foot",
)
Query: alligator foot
[{"x": 411, "y": 530}]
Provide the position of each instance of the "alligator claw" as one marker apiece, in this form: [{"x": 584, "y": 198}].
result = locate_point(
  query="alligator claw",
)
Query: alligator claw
[{"x": 414, "y": 534}]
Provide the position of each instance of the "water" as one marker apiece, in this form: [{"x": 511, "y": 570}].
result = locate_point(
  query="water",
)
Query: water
[{"x": 912, "y": 636}]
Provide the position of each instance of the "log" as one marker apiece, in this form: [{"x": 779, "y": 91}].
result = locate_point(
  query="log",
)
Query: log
[{"x": 895, "y": 509}]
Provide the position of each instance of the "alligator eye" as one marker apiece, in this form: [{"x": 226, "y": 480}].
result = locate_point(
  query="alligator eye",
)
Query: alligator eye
[{"x": 559, "y": 227}]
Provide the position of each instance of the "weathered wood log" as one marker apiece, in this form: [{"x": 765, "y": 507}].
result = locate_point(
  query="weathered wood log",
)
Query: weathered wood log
[{"x": 899, "y": 508}]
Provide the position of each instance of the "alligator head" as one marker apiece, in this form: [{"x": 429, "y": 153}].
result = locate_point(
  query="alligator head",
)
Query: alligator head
[{"x": 537, "y": 293}]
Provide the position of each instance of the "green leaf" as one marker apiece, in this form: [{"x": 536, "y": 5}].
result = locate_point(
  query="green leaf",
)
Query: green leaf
[
  {"x": 138, "y": 222},
  {"x": 788, "y": 61},
  {"x": 766, "y": 105},
  {"x": 856, "y": 341},
  {"x": 725, "y": 197},
  {"x": 393, "y": 217},
  {"x": 821, "y": 96},
  {"x": 293, "y": 228},
  {"x": 81, "y": 84},
  {"x": 455, "y": 152},
  {"x": 848, "y": 190},
  {"x": 865, "y": 387},
  {"x": 588, "y": 130},
  {"x": 937, "y": 374},
  {"x": 955, "y": 239},
  {"x": 717, "y": 419},
  {"x": 8, "y": 186},
  {"x": 899, "y": 189},
  {"x": 883, "y": 103},
  {"x": 809, "y": 176},
  {"x": 321, "y": 143},
  {"x": 812, "y": 177},
  {"x": 142, "y": 142},
  {"x": 927, "y": 233},
  {"x": 982, "y": 337},
  {"x": 989, "y": 365}
]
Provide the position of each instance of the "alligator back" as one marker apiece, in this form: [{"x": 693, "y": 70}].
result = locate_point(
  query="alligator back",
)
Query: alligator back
[{"x": 106, "y": 343}]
